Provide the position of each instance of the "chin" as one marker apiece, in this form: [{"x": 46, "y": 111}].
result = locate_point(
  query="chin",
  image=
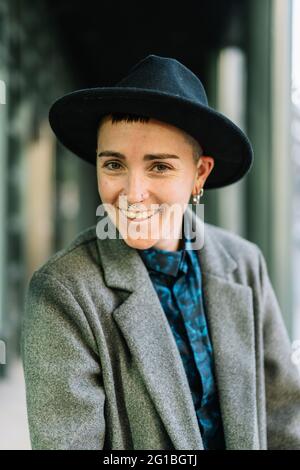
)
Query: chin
[{"x": 140, "y": 244}]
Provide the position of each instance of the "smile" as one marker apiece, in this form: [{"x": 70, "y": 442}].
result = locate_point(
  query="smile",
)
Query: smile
[{"x": 138, "y": 216}]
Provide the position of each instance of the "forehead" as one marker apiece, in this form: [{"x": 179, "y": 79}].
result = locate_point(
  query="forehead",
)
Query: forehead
[{"x": 145, "y": 131}]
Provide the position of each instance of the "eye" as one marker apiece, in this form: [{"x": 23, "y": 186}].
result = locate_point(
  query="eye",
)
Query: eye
[
  {"x": 162, "y": 165},
  {"x": 111, "y": 163},
  {"x": 165, "y": 168}
]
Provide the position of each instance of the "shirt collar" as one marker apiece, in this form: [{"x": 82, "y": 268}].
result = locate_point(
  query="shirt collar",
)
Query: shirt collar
[{"x": 167, "y": 262}]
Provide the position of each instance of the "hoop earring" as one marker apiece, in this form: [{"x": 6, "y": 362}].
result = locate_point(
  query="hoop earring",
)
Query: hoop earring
[{"x": 196, "y": 197}]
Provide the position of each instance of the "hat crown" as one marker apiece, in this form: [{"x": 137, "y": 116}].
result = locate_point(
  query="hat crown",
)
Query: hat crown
[{"x": 165, "y": 75}]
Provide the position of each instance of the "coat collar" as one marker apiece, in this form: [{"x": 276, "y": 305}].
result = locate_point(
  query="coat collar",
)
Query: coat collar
[{"x": 228, "y": 307}]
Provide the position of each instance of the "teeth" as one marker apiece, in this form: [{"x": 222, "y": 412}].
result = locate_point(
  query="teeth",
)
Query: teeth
[{"x": 139, "y": 215}]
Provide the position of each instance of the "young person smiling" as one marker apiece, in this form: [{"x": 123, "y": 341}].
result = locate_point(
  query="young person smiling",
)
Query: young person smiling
[
  {"x": 144, "y": 340},
  {"x": 148, "y": 166}
]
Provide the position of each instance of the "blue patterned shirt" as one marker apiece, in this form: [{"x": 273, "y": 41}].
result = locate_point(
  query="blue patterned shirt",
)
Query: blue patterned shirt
[{"x": 176, "y": 276}]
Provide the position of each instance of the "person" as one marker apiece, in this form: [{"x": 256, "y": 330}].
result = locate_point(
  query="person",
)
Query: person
[{"x": 154, "y": 329}]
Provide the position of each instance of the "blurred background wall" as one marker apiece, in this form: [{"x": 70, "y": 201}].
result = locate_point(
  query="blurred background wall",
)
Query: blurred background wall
[{"x": 243, "y": 52}]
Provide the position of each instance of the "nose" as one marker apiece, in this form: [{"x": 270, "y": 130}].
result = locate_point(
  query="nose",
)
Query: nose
[{"x": 135, "y": 189}]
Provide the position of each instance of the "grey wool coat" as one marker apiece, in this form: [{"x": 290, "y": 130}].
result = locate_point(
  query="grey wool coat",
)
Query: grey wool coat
[{"x": 102, "y": 368}]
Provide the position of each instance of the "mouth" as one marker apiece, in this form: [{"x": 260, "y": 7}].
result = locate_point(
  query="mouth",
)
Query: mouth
[{"x": 138, "y": 216}]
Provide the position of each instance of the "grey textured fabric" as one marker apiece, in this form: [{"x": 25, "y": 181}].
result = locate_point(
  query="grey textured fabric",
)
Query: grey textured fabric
[{"x": 102, "y": 368}]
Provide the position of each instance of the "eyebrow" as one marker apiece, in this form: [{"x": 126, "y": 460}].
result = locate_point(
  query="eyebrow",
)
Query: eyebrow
[{"x": 147, "y": 157}]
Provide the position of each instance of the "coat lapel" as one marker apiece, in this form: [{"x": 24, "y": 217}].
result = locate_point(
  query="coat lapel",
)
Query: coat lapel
[
  {"x": 146, "y": 330},
  {"x": 150, "y": 340}
]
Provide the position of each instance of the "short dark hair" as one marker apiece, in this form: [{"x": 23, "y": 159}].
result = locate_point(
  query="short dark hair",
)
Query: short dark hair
[{"x": 129, "y": 117}]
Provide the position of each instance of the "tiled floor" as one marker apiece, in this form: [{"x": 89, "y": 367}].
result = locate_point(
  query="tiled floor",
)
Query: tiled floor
[{"x": 14, "y": 434}]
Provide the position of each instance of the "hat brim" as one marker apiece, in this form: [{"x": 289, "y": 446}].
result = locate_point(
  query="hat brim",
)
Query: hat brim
[{"x": 74, "y": 119}]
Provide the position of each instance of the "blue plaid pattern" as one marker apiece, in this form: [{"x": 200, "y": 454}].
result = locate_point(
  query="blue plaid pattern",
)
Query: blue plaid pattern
[{"x": 176, "y": 276}]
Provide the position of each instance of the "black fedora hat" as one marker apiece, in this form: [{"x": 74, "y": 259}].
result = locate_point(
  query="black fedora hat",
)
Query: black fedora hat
[{"x": 164, "y": 89}]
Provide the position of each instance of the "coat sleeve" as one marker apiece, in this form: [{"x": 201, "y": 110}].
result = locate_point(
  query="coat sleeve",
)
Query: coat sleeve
[
  {"x": 64, "y": 389},
  {"x": 282, "y": 377}
]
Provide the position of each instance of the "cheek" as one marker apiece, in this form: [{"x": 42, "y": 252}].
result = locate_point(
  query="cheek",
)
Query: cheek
[
  {"x": 106, "y": 187},
  {"x": 176, "y": 190},
  {"x": 170, "y": 191}
]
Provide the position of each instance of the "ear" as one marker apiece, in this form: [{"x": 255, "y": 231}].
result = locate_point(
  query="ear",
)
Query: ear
[{"x": 204, "y": 167}]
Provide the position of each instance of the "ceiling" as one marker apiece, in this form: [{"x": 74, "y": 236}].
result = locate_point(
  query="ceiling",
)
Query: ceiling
[{"x": 101, "y": 41}]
